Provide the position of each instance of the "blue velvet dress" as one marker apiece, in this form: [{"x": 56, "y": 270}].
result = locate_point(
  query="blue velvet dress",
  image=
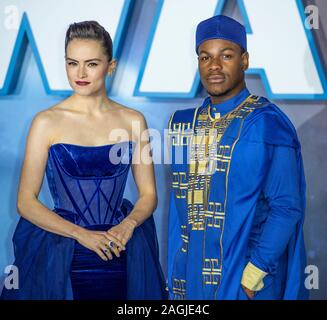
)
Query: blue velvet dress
[{"x": 87, "y": 185}]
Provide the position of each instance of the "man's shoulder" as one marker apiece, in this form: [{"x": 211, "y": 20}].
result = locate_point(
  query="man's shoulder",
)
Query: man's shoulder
[
  {"x": 270, "y": 124},
  {"x": 267, "y": 111}
]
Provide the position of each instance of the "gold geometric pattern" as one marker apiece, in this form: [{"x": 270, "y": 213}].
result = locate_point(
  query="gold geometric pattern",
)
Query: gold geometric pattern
[
  {"x": 184, "y": 238},
  {"x": 222, "y": 158},
  {"x": 180, "y": 184},
  {"x": 215, "y": 215},
  {"x": 206, "y": 157},
  {"x": 179, "y": 289},
  {"x": 211, "y": 272},
  {"x": 180, "y": 133},
  {"x": 196, "y": 216}
]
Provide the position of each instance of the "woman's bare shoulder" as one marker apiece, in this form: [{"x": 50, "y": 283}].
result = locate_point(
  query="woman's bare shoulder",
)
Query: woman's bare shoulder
[
  {"x": 48, "y": 121},
  {"x": 129, "y": 113},
  {"x": 51, "y": 114},
  {"x": 43, "y": 118}
]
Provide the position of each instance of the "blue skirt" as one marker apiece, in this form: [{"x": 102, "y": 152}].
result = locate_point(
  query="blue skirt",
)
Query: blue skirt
[
  {"x": 52, "y": 267},
  {"x": 95, "y": 279}
]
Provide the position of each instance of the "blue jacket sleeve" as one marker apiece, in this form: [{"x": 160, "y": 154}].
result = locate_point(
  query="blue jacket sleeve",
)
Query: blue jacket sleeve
[{"x": 282, "y": 192}]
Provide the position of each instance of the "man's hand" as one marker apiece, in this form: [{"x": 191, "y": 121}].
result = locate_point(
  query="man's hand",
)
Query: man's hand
[{"x": 248, "y": 292}]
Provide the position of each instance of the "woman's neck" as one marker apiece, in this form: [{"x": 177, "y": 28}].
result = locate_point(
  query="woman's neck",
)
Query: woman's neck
[{"x": 91, "y": 105}]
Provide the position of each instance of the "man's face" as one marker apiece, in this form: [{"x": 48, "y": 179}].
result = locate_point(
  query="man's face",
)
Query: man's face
[{"x": 222, "y": 66}]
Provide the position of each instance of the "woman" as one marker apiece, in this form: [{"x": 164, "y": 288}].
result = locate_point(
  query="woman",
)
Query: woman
[{"x": 93, "y": 244}]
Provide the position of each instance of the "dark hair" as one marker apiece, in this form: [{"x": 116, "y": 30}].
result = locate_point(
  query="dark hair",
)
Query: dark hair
[{"x": 90, "y": 30}]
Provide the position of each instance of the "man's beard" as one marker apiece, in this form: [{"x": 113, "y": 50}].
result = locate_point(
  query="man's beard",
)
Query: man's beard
[
  {"x": 227, "y": 91},
  {"x": 221, "y": 93}
]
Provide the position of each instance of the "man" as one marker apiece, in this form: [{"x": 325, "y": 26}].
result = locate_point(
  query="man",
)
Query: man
[{"x": 238, "y": 191}]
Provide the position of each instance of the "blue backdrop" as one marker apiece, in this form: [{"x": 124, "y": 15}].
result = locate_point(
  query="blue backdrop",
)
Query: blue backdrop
[{"x": 29, "y": 97}]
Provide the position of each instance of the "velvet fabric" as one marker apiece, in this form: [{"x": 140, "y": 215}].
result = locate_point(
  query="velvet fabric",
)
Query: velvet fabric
[{"x": 87, "y": 185}]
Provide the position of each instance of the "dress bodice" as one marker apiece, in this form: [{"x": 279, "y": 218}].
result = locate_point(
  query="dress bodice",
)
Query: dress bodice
[{"x": 87, "y": 183}]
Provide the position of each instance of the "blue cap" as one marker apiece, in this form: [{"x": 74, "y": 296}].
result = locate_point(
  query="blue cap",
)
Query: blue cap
[{"x": 220, "y": 27}]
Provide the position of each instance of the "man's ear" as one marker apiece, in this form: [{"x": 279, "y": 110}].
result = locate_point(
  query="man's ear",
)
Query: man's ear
[
  {"x": 112, "y": 66},
  {"x": 245, "y": 61}
]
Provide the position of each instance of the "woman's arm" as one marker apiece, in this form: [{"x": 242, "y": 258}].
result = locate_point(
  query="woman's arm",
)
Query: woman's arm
[
  {"x": 143, "y": 173},
  {"x": 29, "y": 207}
]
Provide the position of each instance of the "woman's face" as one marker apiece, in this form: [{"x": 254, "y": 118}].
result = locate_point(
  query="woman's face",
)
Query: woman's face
[{"x": 87, "y": 66}]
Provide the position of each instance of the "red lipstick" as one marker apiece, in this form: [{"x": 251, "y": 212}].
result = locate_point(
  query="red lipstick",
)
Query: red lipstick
[{"x": 82, "y": 83}]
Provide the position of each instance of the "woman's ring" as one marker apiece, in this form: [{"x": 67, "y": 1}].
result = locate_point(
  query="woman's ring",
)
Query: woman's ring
[{"x": 111, "y": 244}]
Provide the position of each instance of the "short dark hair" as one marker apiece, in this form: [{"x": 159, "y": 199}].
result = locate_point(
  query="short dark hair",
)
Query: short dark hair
[{"x": 90, "y": 30}]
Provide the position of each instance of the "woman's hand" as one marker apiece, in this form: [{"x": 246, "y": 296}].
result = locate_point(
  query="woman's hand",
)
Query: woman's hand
[
  {"x": 98, "y": 241},
  {"x": 123, "y": 231}
]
